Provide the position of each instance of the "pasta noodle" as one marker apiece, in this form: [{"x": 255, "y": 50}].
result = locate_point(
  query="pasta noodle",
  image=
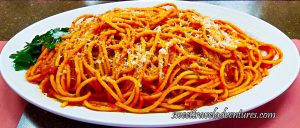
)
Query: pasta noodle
[{"x": 155, "y": 59}]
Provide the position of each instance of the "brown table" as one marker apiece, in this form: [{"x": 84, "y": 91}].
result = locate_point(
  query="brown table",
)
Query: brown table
[{"x": 16, "y": 15}]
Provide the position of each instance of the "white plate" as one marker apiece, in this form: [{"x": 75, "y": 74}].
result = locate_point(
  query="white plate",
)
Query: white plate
[{"x": 280, "y": 78}]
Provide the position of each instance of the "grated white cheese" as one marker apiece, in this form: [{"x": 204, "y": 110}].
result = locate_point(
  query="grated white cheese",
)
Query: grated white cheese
[
  {"x": 133, "y": 62},
  {"x": 128, "y": 51},
  {"x": 64, "y": 71},
  {"x": 216, "y": 26},
  {"x": 161, "y": 74},
  {"x": 110, "y": 60},
  {"x": 207, "y": 22},
  {"x": 169, "y": 44},
  {"x": 143, "y": 59},
  {"x": 224, "y": 43},
  {"x": 136, "y": 12},
  {"x": 158, "y": 29},
  {"x": 250, "y": 47},
  {"x": 97, "y": 62},
  {"x": 180, "y": 14},
  {"x": 227, "y": 42},
  {"x": 180, "y": 24},
  {"x": 139, "y": 47},
  {"x": 126, "y": 64},
  {"x": 163, "y": 51},
  {"x": 196, "y": 18}
]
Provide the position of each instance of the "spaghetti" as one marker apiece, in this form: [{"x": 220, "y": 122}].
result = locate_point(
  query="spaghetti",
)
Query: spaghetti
[{"x": 155, "y": 59}]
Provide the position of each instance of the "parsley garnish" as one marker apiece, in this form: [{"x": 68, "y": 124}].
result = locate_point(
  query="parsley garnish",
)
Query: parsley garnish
[{"x": 26, "y": 57}]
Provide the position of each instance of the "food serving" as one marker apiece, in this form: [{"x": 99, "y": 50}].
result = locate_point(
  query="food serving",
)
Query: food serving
[{"x": 141, "y": 60}]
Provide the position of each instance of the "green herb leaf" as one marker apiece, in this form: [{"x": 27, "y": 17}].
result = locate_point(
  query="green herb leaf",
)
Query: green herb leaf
[{"x": 26, "y": 57}]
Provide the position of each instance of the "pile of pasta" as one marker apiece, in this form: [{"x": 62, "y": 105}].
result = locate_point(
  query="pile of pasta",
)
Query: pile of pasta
[{"x": 154, "y": 59}]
